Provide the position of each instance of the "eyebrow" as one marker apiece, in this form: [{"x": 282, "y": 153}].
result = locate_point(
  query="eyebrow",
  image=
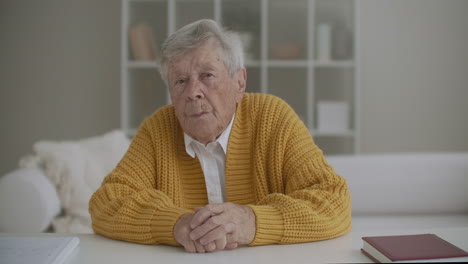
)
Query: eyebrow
[{"x": 204, "y": 67}]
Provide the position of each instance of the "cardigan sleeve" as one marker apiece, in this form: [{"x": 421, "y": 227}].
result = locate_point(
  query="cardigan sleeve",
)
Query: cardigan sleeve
[
  {"x": 128, "y": 206},
  {"x": 314, "y": 203}
]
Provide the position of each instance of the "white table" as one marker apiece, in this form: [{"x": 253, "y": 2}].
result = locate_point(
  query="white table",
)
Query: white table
[{"x": 345, "y": 249}]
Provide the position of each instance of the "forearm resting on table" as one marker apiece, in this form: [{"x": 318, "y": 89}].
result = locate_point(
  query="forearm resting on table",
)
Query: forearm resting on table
[{"x": 146, "y": 217}]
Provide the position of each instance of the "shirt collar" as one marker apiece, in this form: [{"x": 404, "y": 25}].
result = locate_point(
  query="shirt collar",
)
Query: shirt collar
[{"x": 222, "y": 140}]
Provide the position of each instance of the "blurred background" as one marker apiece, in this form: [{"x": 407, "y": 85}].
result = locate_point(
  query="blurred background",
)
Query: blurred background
[{"x": 68, "y": 69}]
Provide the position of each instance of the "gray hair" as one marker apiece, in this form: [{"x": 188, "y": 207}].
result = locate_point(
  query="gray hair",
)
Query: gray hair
[{"x": 194, "y": 35}]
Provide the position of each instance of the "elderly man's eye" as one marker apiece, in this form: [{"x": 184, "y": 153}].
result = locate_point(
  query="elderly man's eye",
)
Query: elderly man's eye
[
  {"x": 180, "y": 81},
  {"x": 208, "y": 75}
]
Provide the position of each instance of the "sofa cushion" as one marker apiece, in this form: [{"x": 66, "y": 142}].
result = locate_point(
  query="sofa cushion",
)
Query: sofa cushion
[
  {"x": 28, "y": 201},
  {"x": 77, "y": 169}
]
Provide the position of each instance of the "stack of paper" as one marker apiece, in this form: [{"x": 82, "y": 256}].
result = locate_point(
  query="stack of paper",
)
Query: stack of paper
[{"x": 38, "y": 250}]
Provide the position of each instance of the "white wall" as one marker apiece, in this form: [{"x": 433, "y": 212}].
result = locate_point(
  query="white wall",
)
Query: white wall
[
  {"x": 414, "y": 75},
  {"x": 59, "y": 72}
]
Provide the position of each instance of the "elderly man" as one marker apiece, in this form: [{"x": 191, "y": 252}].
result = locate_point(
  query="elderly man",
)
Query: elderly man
[{"x": 219, "y": 168}]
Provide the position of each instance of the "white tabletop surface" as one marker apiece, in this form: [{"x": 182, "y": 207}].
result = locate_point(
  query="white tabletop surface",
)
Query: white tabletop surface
[{"x": 345, "y": 249}]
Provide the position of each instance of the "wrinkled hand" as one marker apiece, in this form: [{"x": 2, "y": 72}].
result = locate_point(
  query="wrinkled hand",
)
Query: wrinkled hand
[
  {"x": 227, "y": 225},
  {"x": 182, "y": 231}
]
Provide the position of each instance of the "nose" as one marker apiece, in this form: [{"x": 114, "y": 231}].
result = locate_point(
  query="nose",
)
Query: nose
[{"x": 194, "y": 89}]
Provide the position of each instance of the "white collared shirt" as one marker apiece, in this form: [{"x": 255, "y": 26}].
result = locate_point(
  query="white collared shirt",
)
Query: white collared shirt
[{"x": 212, "y": 159}]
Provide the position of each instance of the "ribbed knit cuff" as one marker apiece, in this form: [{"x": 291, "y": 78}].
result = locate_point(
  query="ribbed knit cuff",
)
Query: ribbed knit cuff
[
  {"x": 269, "y": 224},
  {"x": 163, "y": 224}
]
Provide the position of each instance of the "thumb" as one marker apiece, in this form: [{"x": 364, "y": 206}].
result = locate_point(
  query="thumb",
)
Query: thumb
[
  {"x": 232, "y": 246},
  {"x": 216, "y": 208}
]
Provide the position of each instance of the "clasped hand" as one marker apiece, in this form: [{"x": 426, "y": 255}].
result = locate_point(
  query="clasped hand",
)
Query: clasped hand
[{"x": 215, "y": 227}]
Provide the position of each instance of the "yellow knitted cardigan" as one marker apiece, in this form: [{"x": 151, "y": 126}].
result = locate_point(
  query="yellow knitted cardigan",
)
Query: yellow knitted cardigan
[{"x": 272, "y": 166}]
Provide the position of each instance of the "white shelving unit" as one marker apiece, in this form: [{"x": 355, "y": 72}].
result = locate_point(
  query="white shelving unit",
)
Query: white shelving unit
[{"x": 281, "y": 57}]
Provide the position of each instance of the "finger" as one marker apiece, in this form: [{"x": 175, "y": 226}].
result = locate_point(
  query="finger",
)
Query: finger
[
  {"x": 190, "y": 247},
  {"x": 231, "y": 246},
  {"x": 199, "y": 247},
  {"x": 206, "y": 227},
  {"x": 218, "y": 233},
  {"x": 200, "y": 217},
  {"x": 203, "y": 214},
  {"x": 216, "y": 208},
  {"x": 210, "y": 247},
  {"x": 221, "y": 243}
]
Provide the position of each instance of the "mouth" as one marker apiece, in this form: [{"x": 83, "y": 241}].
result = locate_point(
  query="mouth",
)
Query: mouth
[{"x": 198, "y": 115}]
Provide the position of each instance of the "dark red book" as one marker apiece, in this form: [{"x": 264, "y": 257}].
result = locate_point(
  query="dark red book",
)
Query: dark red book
[{"x": 411, "y": 248}]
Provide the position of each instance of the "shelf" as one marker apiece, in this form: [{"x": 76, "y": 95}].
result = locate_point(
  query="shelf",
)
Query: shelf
[
  {"x": 252, "y": 63},
  {"x": 287, "y": 63},
  {"x": 301, "y": 63},
  {"x": 318, "y": 133},
  {"x": 334, "y": 64}
]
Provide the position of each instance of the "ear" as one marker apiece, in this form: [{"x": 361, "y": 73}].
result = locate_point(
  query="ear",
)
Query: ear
[{"x": 241, "y": 83}]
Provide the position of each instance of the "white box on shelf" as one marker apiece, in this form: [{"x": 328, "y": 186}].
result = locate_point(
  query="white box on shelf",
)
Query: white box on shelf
[{"x": 332, "y": 116}]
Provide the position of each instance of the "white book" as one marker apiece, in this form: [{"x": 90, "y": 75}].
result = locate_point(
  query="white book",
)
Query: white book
[{"x": 37, "y": 250}]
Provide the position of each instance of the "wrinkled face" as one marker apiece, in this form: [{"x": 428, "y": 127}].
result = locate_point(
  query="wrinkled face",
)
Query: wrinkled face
[{"x": 203, "y": 93}]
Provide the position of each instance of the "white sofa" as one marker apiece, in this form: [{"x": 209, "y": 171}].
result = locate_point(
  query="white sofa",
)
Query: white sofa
[
  {"x": 411, "y": 183},
  {"x": 429, "y": 184}
]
